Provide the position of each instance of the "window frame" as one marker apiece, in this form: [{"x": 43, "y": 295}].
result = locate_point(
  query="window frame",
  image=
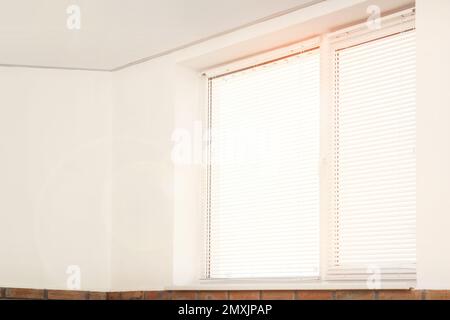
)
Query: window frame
[
  {"x": 400, "y": 22},
  {"x": 327, "y": 44},
  {"x": 311, "y": 44}
]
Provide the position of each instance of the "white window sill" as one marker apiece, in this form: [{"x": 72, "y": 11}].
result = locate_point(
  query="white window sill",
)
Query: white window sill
[{"x": 309, "y": 285}]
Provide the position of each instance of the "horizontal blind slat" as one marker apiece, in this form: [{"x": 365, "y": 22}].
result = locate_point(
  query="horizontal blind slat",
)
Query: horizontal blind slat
[
  {"x": 374, "y": 187},
  {"x": 264, "y": 183}
]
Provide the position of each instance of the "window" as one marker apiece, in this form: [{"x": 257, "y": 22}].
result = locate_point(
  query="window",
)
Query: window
[
  {"x": 375, "y": 165},
  {"x": 263, "y": 190},
  {"x": 266, "y": 194}
]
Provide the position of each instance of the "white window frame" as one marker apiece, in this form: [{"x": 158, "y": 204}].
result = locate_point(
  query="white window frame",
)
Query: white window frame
[
  {"x": 393, "y": 24},
  {"x": 327, "y": 43},
  {"x": 277, "y": 54}
]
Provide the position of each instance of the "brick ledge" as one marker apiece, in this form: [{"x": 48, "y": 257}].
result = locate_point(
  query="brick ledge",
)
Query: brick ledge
[{"x": 44, "y": 294}]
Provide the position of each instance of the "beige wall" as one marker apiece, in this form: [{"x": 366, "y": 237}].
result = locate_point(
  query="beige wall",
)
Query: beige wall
[
  {"x": 142, "y": 177},
  {"x": 433, "y": 144},
  {"x": 55, "y": 162}
]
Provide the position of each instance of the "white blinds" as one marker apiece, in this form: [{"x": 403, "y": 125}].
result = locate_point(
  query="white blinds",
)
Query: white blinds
[
  {"x": 263, "y": 183},
  {"x": 375, "y": 164}
]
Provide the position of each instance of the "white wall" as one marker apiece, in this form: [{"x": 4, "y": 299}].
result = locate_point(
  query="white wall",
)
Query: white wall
[
  {"x": 142, "y": 177},
  {"x": 433, "y": 144},
  {"x": 55, "y": 164}
]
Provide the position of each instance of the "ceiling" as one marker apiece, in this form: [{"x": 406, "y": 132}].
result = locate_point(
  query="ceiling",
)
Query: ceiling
[{"x": 116, "y": 32}]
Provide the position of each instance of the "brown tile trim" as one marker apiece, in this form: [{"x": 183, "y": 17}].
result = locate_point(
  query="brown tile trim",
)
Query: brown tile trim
[
  {"x": 113, "y": 296},
  {"x": 132, "y": 295},
  {"x": 277, "y": 295},
  {"x": 436, "y": 294},
  {"x": 97, "y": 295},
  {"x": 244, "y": 295},
  {"x": 355, "y": 295},
  {"x": 399, "y": 295},
  {"x": 67, "y": 295},
  {"x": 157, "y": 295},
  {"x": 213, "y": 295},
  {"x": 19, "y": 293},
  {"x": 42, "y": 294},
  {"x": 184, "y": 295},
  {"x": 315, "y": 295}
]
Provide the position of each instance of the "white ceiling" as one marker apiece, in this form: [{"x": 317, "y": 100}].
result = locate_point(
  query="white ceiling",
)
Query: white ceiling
[{"x": 116, "y": 32}]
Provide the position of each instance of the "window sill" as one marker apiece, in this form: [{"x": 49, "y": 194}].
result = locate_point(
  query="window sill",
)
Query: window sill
[{"x": 308, "y": 285}]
